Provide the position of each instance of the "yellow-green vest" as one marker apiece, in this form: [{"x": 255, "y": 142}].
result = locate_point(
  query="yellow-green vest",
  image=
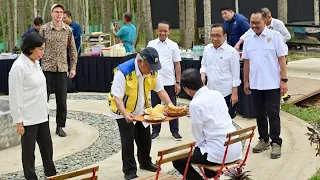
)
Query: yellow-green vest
[{"x": 130, "y": 97}]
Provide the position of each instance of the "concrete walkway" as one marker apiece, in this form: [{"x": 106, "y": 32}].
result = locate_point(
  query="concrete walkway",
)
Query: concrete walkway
[{"x": 298, "y": 160}]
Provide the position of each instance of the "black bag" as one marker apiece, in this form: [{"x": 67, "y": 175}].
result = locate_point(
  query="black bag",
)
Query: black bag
[{"x": 233, "y": 110}]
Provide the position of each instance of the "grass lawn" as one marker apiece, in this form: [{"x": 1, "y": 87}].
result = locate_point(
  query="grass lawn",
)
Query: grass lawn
[
  {"x": 311, "y": 114},
  {"x": 298, "y": 56},
  {"x": 316, "y": 176}
]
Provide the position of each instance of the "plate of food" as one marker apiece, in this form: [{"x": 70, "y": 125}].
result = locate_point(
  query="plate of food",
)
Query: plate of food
[{"x": 160, "y": 114}]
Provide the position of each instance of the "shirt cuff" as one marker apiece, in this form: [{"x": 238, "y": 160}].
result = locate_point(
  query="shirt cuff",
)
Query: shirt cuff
[
  {"x": 236, "y": 83},
  {"x": 17, "y": 120},
  {"x": 203, "y": 70}
]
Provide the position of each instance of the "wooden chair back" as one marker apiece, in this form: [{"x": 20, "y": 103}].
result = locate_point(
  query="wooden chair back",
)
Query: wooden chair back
[{"x": 91, "y": 170}]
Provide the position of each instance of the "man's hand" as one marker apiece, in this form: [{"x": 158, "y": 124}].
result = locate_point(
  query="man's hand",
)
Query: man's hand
[
  {"x": 234, "y": 98},
  {"x": 72, "y": 74},
  {"x": 129, "y": 117},
  {"x": 203, "y": 78},
  {"x": 177, "y": 88},
  {"x": 237, "y": 46},
  {"x": 283, "y": 88},
  {"x": 246, "y": 89},
  {"x": 112, "y": 27},
  {"x": 20, "y": 128}
]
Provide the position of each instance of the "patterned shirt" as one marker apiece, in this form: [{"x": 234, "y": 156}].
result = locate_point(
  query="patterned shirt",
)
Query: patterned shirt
[{"x": 57, "y": 42}]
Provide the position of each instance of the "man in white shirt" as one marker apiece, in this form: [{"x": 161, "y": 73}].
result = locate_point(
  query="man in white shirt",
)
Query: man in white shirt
[
  {"x": 132, "y": 83},
  {"x": 210, "y": 123},
  {"x": 221, "y": 65},
  {"x": 169, "y": 56},
  {"x": 272, "y": 23},
  {"x": 265, "y": 76}
]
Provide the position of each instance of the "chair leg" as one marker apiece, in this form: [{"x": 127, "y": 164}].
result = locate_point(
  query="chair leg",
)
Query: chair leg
[{"x": 202, "y": 172}]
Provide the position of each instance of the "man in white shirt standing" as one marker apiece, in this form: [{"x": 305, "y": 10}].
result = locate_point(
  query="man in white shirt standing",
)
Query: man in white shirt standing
[
  {"x": 130, "y": 91},
  {"x": 265, "y": 76},
  {"x": 272, "y": 23},
  {"x": 220, "y": 64},
  {"x": 210, "y": 123},
  {"x": 169, "y": 56}
]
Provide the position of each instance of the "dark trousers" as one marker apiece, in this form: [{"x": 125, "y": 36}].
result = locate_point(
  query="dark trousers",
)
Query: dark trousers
[
  {"x": 268, "y": 107},
  {"x": 174, "y": 124},
  {"x": 128, "y": 134},
  {"x": 228, "y": 100},
  {"x": 39, "y": 133},
  {"x": 59, "y": 82},
  {"x": 196, "y": 158}
]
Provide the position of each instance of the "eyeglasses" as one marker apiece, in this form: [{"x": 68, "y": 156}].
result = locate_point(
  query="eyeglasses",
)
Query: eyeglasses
[
  {"x": 255, "y": 22},
  {"x": 216, "y": 35},
  {"x": 58, "y": 12}
]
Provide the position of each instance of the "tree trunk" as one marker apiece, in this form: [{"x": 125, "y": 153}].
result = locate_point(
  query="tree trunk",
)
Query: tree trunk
[
  {"x": 237, "y": 6},
  {"x": 10, "y": 30},
  {"x": 44, "y": 9},
  {"x": 15, "y": 22},
  {"x": 316, "y": 12},
  {"x": 140, "y": 27},
  {"x": 3, "y": 25},
  {"x": 87, "y": 16},
  {"x": 116, "y": 11},
  {"x": 35, "y": 8},
  {"x": 182, "y": 23},
  {"x": 98, "y": 14},
  {"x": 207, "y": 20},
  {"x": 283, "y": 10},
  {"x": 196, "y": 29},
  {"x": 91, "y": 11},
  {"x": 190, "y": 31},
  {"x": 103, "y": 14},
  {"x": 108, "y": 15},
  {"x": 148, "y": 20},
  {"x": 128, "y": 6}
]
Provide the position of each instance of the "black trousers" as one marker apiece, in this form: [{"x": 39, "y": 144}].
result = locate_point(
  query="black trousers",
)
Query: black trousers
[
  {"x": 268, "y": 107},
  {"x": 39, "y": 133},
  {"x": 141, "y": 135},
  {"x": 196, "y": 158},
  {"x": 174, "y": 124},
  {"x": 59, "y": 82}
]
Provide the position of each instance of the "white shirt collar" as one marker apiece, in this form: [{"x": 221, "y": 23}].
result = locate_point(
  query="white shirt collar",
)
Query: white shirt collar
[
  {"x": 200, "y": 91},
  {"x": 138, "y": 73},
  {"x": 264, "y": 32},
  {"x": 28, "y": 61},
  {"x": 166, "y": 41}
]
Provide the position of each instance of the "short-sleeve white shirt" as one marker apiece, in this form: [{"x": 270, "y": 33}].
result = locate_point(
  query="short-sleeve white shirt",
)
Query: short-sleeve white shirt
[
  {"x": 169, "y": 53},
  {"x": 263, "y": 53}
]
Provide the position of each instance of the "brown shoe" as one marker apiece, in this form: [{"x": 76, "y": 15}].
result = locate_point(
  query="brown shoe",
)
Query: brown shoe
[
  {"x": 261, "y": 146},
  {"x": 275, "y": 151}
]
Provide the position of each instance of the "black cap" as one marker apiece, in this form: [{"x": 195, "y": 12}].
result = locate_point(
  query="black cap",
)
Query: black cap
[{"x": 151, "y": 56}]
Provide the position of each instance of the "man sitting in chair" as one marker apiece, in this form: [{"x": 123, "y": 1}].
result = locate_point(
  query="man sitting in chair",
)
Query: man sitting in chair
[{"x": 210, "y": 124}]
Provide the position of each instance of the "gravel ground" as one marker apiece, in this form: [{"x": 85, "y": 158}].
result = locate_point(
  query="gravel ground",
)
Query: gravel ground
[{"x": 106, "y": 145}]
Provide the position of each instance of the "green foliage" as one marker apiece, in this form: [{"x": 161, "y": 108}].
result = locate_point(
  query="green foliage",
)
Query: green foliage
[
  {"x": 311, "y": 114},
  {"x": 316, "y": 176},
  {"x": 298, "y": 56}
]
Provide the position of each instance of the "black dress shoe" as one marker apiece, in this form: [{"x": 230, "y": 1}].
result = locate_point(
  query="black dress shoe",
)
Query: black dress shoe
[
  {"x": 150, "y": 167},
  {"x": 60, "y": 132},
  {"x": 130, "y": 176}
]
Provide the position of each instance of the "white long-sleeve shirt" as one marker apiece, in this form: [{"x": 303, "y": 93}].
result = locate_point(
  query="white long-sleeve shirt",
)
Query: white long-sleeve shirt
[
  {"x": 211, "y": 123},
  {"x": 222, "y": 67},
  {"x": 27, "y": 92}
]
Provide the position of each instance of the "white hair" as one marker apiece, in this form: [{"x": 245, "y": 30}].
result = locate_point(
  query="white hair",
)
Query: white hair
[{"x": 138, "y": 57}]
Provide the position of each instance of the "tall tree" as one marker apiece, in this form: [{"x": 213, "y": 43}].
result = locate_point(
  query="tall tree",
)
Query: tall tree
[
  {"x": 316, "y": 12},
  {"x": 207, "y": 20},
  {"x": 108, "y": 15},
  {"x": 128, "y": 6},
  {"x": 148, "y": 20},
  {"x": 15, "y": 22},
  {"x": 87, "y": 16},
  {"x": 237, "y": 6},
  {"x": 182, "y": 23},
  {"x": 44, "y": 9},
  {"x": 195, "y": 23},
  {"x": 91, "y": 15},
  {"x": 283, "y": 10},
  {"x": 190, "y": 19},
  {"x": 35, "y": 8},
  {"x": 10, "y": 28},
  {"x": 140, "y": 27},
  {"x": 116, "y": 17},
  {"x": 3, "y": 23}
]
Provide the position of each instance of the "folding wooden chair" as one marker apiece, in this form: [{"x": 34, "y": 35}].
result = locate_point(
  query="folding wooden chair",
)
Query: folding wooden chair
[
  {"x": 233, "y": 137},
  {"x": 91, "y": 170},
  {"x": 162, "y": 160}
]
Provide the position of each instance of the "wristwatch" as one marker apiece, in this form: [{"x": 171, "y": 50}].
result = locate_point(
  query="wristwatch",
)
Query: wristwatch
[
  {"x": 284, "y": 79},
  {"x": 177, "y": 82}
]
